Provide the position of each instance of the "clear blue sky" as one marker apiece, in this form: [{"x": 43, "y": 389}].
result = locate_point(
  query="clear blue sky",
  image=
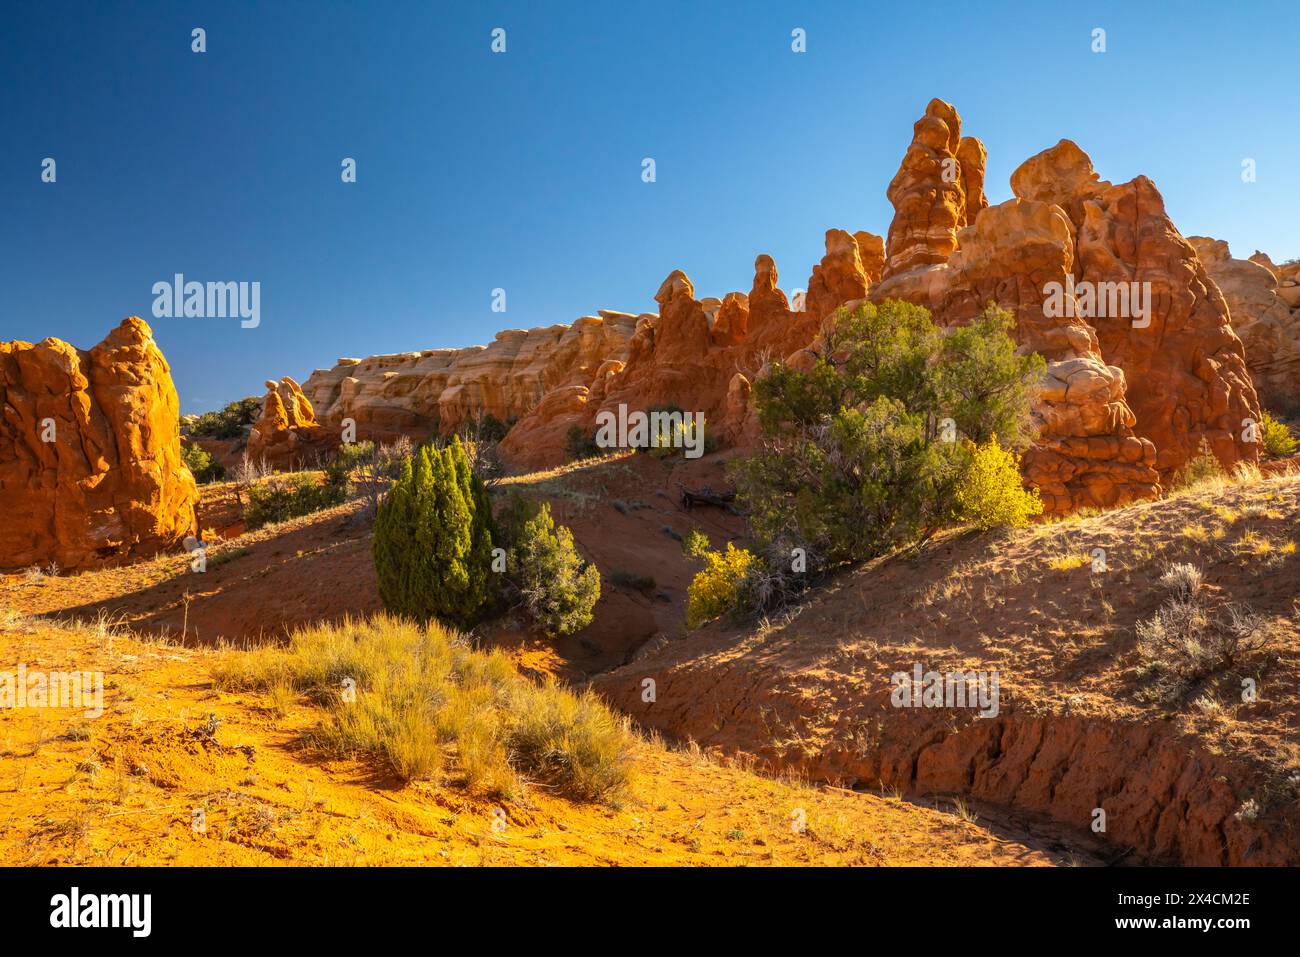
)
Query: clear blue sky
[{"x": 522, "y": 170}]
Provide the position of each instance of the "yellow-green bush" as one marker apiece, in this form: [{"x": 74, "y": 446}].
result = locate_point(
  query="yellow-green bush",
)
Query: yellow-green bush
[
  {"x": 423, "y": 703},
  {"x": 719, "y": 588},
  {"x": 991, "y": 495},
  {"x": 1279, "y": 443}
]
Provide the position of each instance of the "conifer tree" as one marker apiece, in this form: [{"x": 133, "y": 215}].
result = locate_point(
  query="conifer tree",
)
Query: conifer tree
[{"x": 433, "y": 540}]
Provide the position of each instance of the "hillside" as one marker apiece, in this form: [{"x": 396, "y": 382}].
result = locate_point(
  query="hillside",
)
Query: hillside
[
  {"x": 1201, "y": 777},
  {"x": 121, "y": 789}
]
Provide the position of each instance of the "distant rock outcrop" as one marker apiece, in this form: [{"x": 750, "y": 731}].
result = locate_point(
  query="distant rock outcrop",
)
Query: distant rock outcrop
[
  {"x": 287, "y": 435},
  {"x": 423, "y": 393},
  {"x": 90, "y": 453},
  {"x": 1264, "y": 301}
]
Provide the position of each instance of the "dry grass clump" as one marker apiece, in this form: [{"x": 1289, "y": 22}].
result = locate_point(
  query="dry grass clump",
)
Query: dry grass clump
[
  {"x": 422, "y": 701},
  {"x": 1186, "y": 642}
]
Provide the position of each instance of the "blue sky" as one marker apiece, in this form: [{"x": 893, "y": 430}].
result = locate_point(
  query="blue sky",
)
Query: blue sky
[{"x": 523, "y": 170}]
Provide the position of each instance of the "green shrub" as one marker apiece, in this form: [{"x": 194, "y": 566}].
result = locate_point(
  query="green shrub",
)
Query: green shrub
[
  {"x": 514, "y": 513},
  {"x": 231, "y": 422},
  {"x": 695, "y": 544},
  {"x": 1279, "y": 443},
  {"x": 558, "y": 588},
  {"x": 433, "y": 540},
  {"x": 672, "y": 430},
  {"x": 1201, "y": 468},
  {"x": 202, "y": 465},
  {"x": 627, "y": 579},
  {"x": 991, "y": 494},
  {"x": 857, "y": 458},
  {"x": 720, "y": 587},
  {"x": 280, "y": 498}
]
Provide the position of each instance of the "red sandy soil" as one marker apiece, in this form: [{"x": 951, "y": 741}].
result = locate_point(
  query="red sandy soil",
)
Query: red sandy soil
[
  {"x": 1205, "y": 781},
  {"x": 121, "y": 789},
  {"x": 1209, "y": 780},
  {"x": 261, "y": 584}
]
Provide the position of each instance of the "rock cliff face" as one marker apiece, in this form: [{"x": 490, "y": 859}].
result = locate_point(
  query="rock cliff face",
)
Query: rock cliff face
[
  {"x": 1128, "y": 397},
  {"x": 702, "y": 355},
  {"x": 287, "y": 436},
  {"x": 1134, "y": 384},
  {"x": 1264, "y": 302},
  {"x": 421, "y": 393},
  {"x": 90, "y": 453}
]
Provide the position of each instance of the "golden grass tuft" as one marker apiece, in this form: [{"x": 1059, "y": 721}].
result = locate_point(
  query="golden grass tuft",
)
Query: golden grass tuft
[{"x": 425, "y": 704}]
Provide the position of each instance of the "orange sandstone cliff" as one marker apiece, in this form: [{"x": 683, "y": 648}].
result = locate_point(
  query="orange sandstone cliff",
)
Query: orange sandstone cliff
[{"x": 90, "y": 453}]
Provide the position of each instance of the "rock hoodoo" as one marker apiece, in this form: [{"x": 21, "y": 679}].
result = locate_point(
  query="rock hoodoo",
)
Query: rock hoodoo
[
  {"x": 287, "y": 435},
  {"x": 1128, "y": 398},
  {"x": 90, "y": 452}
]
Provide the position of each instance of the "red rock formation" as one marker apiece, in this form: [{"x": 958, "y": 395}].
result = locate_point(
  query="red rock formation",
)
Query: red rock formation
[
  {"x": 699, "y": 355},
  {"x": 422, "y": 393},
  {"x": 287, "y": 436},
  {"x": 90, "y": 453},
  {"x": 1122, "y": 408},
  {"x": 1087, "y": 453},
  {"x": 1267, "y": 323},
  {"x": 1186, "y": 370},
  {"x": 1125, "y": 398},
  {"x": 937, "y": 188},
  {"x": 840, "y": 277}
]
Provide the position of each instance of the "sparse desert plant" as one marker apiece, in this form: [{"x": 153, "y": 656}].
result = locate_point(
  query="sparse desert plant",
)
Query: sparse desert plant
[
  {"x": 280, "y": 498},
  {"x": 433, "y": 539},
  {"x": 860, "y": 453},
  {"x": 1276, "y": 437},
  {"x": 377, "y": 467},
  {"x": 481, "y": 438},
  {"x": 672, "y": 431},
  {"x": 1182, "y": 580},
  {"x": 991, "y": 494},
  {"x": 231, "y": 422},
  {"x": 558, "y": 589},
  {"x": 627, "y": 579},
  {"x": 249, "y": 472},
  {"x": 1202, "y": 469},
  {"x": 695, "y": 543},
  {"x": 720, "y": 587},
  {"x": 423, "y": 703},
  {"x": 580, "y": 444},
  {"x": 201, "y": 464},
  {"x": 1187, "y": 641}
]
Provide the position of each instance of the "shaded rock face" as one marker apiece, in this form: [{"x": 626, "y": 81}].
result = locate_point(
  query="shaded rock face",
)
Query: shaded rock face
[
  {"x": 423, "y": 393},
  {"x": 90, "y": 453},
  {"x": 287, "y": 435},
  {"x": 1264, "y": 303},
  {"x": 1127, "y": 399}
]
